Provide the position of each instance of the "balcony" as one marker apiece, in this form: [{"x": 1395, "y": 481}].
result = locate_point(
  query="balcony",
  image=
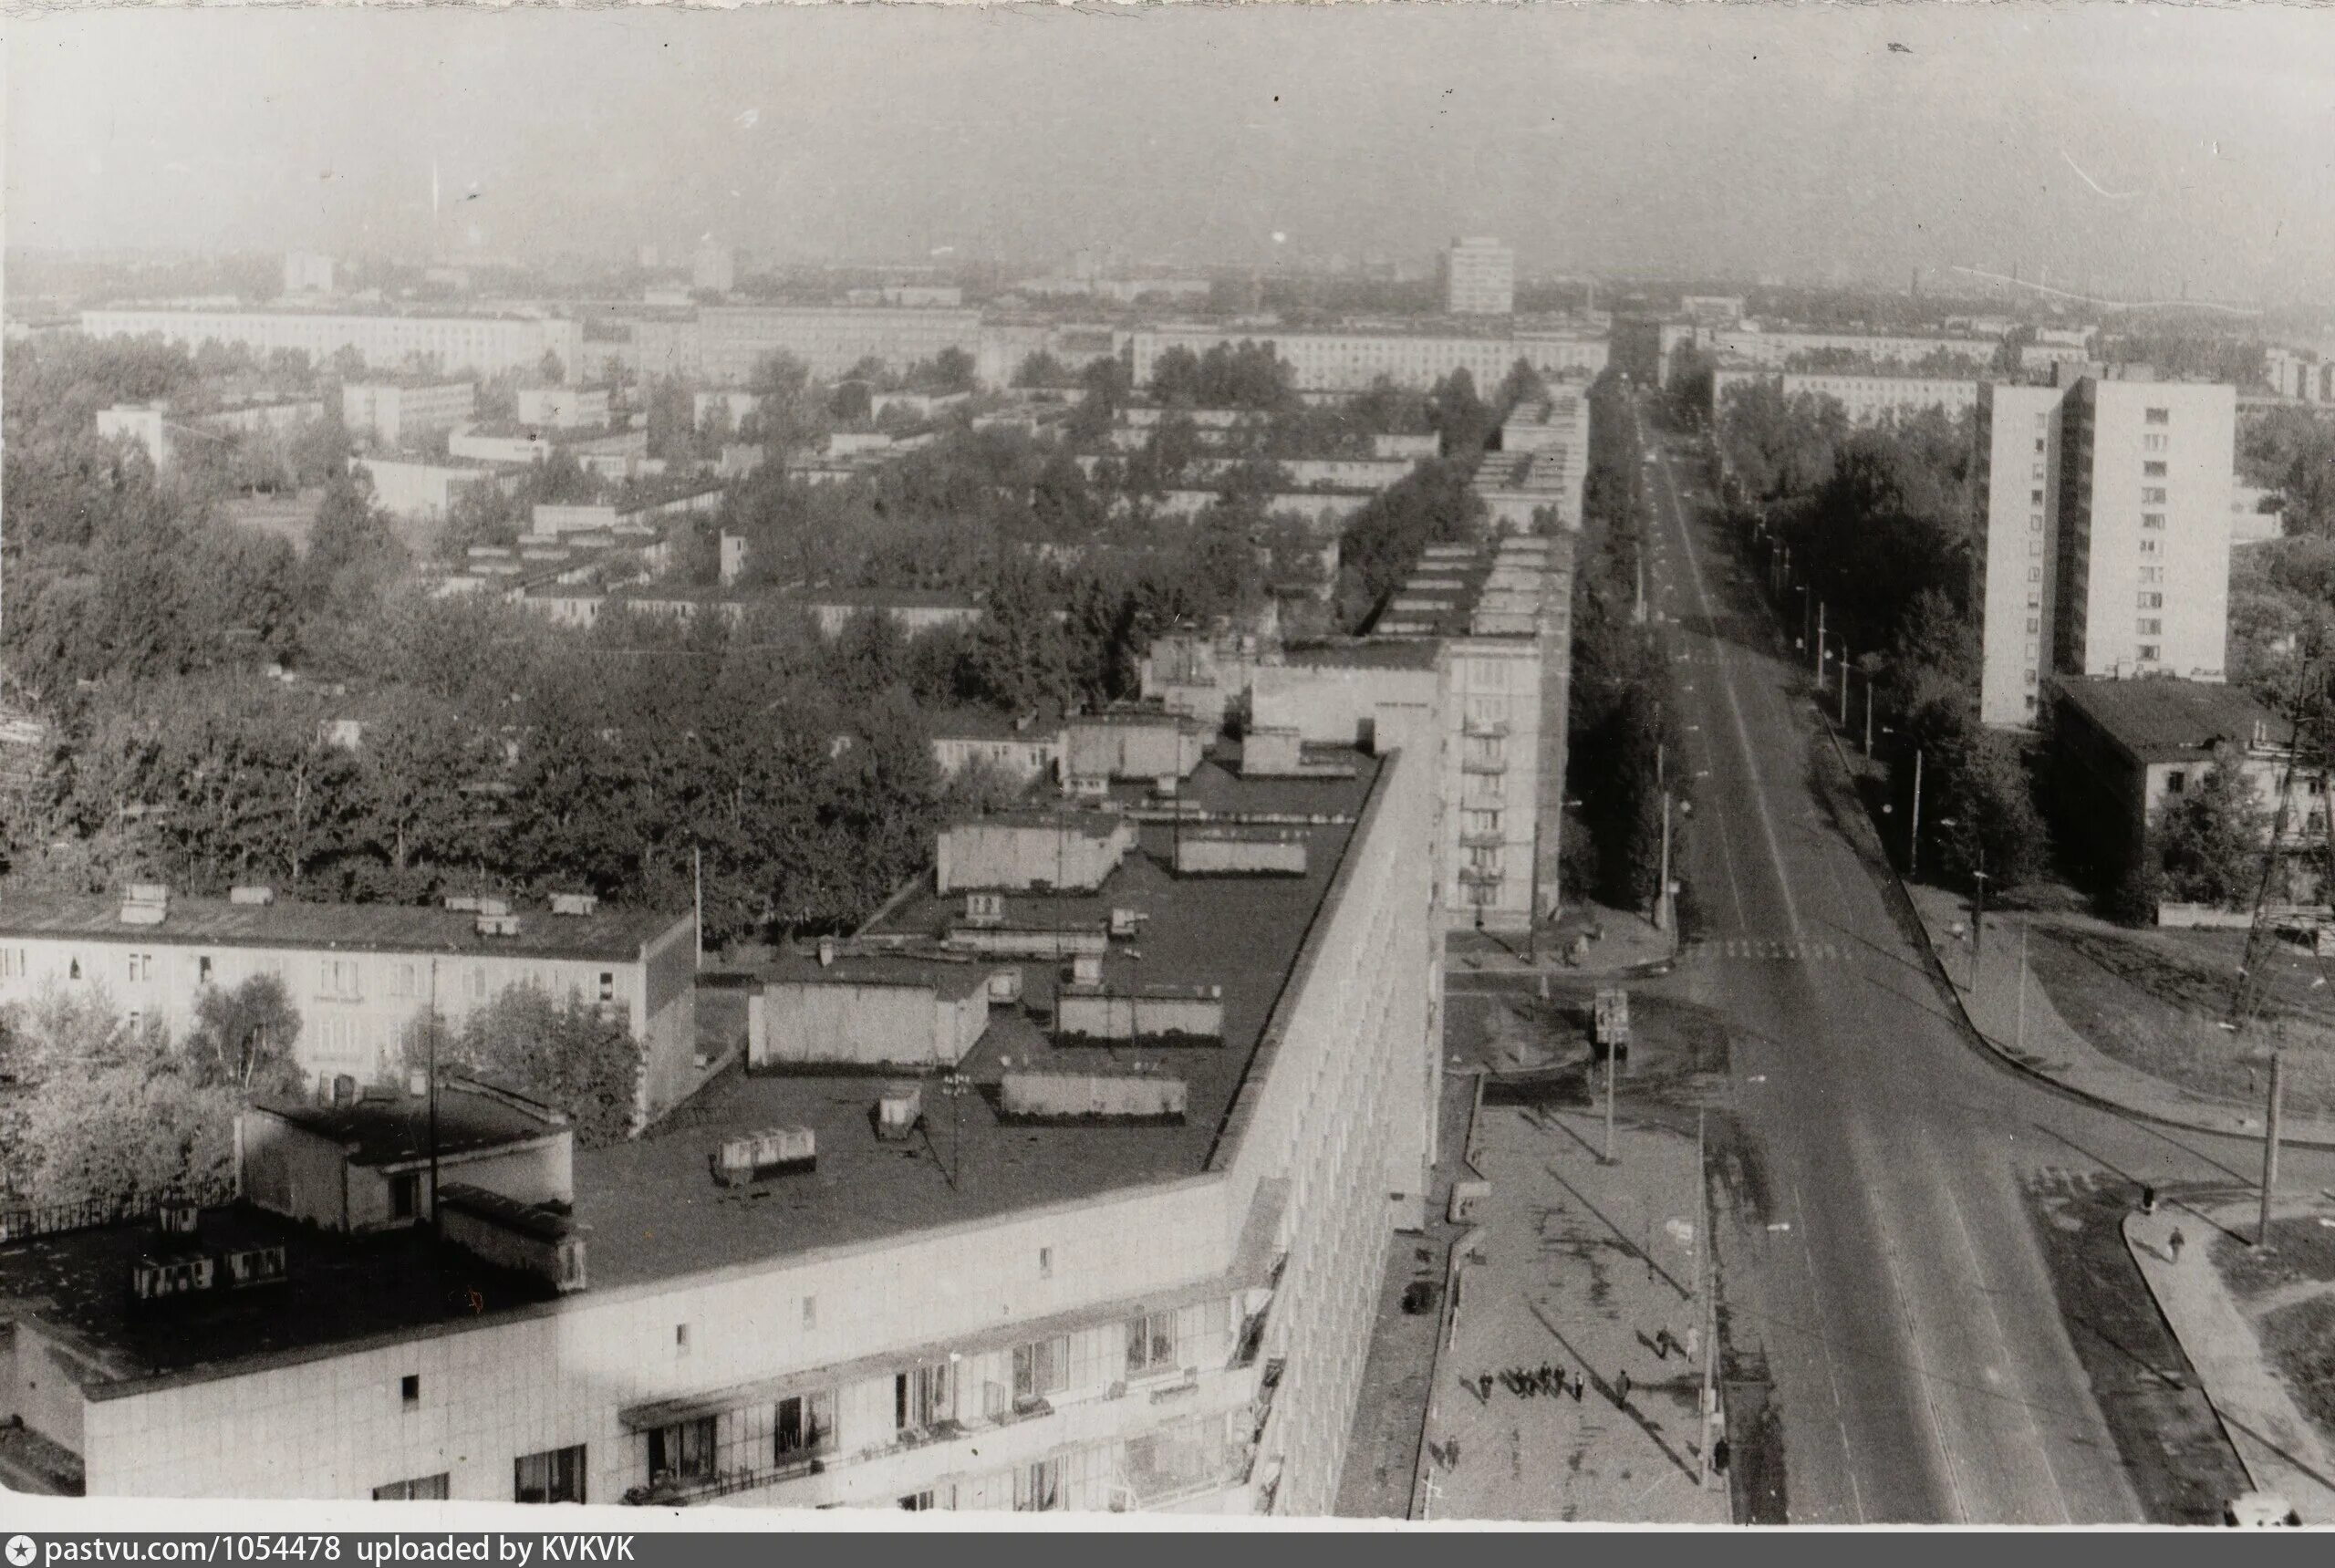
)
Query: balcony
[
  {"x": 1486, "y": 729},
  {"x": 1480, "y": 876},
  {"x": 1493, "y": 839},
  {"x": 673, "y": 1491},
  {"x": 1482, "y": 765}
]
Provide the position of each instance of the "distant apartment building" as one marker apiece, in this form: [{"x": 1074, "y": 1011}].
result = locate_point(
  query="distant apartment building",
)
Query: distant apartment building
[
  {"x": 2103, "y": 539},
  {"x": 566, "y": 407},
  {"x": 1712, "y": 310},
  {"x": 1864, "y": 398},
  {"x": 2039, "y": 357},
  {"x": 1353, "y": 362},
  {"x": 1139, "y": 1273},
  {"x": 487, "y": 344},
  {"x": 305, "y": 271},
  {"x": 424, "y": 491},
  {"x": 1775, "y": 350},
  {"x": 156, "y": 428},
  {"x": 1542, "y": 466},
  {"x": 398, "y": 415},
  {"x": 361, "y": 976},
  {"x": 734, "y": 341},
  {"x": 1478, "y": 278},
  {"x": 735, "y": 407}
]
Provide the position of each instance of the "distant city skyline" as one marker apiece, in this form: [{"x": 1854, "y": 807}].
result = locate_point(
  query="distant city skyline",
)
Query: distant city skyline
[{"x": 2124, "y": 150}]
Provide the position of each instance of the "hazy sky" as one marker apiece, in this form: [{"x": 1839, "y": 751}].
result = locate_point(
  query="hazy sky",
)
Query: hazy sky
[{"x": 2132, "y": 147}]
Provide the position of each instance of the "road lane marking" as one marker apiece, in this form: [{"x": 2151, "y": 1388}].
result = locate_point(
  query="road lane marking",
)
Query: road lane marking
[
  {"x": 1921, "y": 1376},
  {"x": 2002, "y": 1340},
  {"x": 1735, "y": 710}
]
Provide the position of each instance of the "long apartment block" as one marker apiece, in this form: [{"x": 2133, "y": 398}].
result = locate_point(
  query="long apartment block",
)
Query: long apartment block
[{"x": 1109, "y": 1234}]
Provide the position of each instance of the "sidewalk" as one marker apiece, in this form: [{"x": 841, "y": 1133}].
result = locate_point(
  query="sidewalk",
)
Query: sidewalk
[
  {"x": 1583, "y": 1265},
  {"x": 2049, "y": 1047},
  {"x": 1623, "y": 941},
  {"x": 2281, "y": 1450}
]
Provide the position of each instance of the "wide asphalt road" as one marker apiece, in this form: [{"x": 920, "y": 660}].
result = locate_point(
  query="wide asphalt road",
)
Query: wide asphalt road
[{"x": 1918, "y": 1358}]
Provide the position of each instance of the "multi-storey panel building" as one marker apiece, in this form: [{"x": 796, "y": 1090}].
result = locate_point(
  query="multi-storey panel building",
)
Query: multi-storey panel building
[
  {"x": 1353, "y": 362},
  {"x": 484, "y": 344},
  {"x": 2102, "y": 535},
  {"x": 1040, "y": 1306},
  {"x": 1479, "y": 278},
  {"x": 830, "y": 340},
  {"x": 398, "y": 414}
]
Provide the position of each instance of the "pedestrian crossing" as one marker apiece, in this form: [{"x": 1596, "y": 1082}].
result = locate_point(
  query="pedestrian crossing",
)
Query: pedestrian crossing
[{"x": 1748, "y": 947}]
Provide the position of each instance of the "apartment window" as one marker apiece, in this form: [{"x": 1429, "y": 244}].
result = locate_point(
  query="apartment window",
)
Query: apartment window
[
  {"x": 340, "y": 978},
  {"x": 410, "y": 1390},
  {"x": 810, "y": 1311},
  {"x": 607, "y": 986},
  {"x": 1151, "y": 1343},
  {"x": 137, "y": 1021},
  {"x": 474, "y": 982},
  {"x": 2039, "y": 441},
  {"x": 917, "y": 1502},
  {"x": 681, "y": 1339},
  {"x": 142, "y": 968},
  {"x": 2176, "y": 781},
  {"x": 2159, "y": 416},
  {"x": 408, "y": 982},
  {"x": 2150, "y": 653},
  {"x": 2031, "y": 678},
  {"x": 2035, "y": 522},
  {"x": 2153, "y": 470},
  {"x": 2030, "y": 701},
  {"x": 421, "y": 1488},
  {"x": 2034, "y": 573},
  {"x": 2034, "y": 599},
  {"x": 2152, "y": 601},
  {"x": 2149, "y": 547},
  {"x": 2038, "y": 471},
  {"x": 1045, "y": 1262},
  {"x": 2153, "y": 496},
  {"x": 2154, "y": 442},
  {"x": 2035, "y": 499},
  {"x": 2153, "y": 520},
  {"x": 2149, "y": 627},
  {"x": 805, "y": 1424},
  {"x": 203, "y": 969},
  {"x": 682, "y": 1451},
  {"x": 2035, "y": 546},
  {"x": 1040, "y": 1368},
  {"x": 2034, "y": 625},
  {"x": 405, "y": 1196},
  {"x": 555, "y": 1475},
  {"x": 2151, "y": 573},
  {"x": 1037, "y": 1489},
  {"x": 920, "y": 1397}
]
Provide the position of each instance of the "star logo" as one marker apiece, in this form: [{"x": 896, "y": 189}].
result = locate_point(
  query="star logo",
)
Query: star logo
[{"x": 20, "y": 1550}]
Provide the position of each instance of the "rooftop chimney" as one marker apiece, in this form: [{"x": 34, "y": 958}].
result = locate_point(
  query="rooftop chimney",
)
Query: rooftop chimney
[{"x": 574, "y": 903}]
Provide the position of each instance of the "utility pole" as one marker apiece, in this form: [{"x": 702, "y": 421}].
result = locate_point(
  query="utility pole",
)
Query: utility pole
[
  {"x": 1868, "y": 715},
  {"x": 1913, "y": 839},
  {"x": 1819, "y": 643},
  {"x": 431, "y": 1027},
  {"x": 2271, "y": 1149},
  {"x": 697, "y": 866},
  {"x": 1844, "y": 683},
  {"x": 1612, "y": 1049},
  {"x": 2020, "y": 1043},
  {"x": 1662, "y": 912},
  {"x": 1979, "y": 926}
]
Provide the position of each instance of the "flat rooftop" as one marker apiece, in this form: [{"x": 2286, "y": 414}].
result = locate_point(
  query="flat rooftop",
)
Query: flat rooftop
[
  {"x": 2160, "y": 719},
  {"x": 605, "y": 933},
  {"x": 656, "y": 1212},
  {"x": 395, "y": 1131},
  {"x": 650, "y": 1208}
]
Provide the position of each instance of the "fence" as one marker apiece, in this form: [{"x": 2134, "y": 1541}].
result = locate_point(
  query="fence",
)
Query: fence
[{"x": 21, "y": 1221}]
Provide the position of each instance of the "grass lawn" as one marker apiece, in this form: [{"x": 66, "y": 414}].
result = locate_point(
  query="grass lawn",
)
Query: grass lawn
[
  {"x": 2153, "y": 1012},
  {"x": 2299, "y": 1340},
  {"x": 2300, "y": 1249}
]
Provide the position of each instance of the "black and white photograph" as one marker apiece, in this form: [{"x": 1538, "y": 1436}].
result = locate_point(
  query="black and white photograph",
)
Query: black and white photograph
[{"x": 1397, "y": 766}]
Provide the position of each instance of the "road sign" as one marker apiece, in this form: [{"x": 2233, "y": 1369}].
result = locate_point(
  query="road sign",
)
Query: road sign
[{"x": 1612, "y": 1018}]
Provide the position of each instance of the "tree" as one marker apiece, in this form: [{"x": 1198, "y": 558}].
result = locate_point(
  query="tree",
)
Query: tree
[
  {"x": 2209, "y": 839},
  {"x": 243, "y": 1039},
  {"x": 954, "y": 371},
  {"x": 566, "y": 1052}
]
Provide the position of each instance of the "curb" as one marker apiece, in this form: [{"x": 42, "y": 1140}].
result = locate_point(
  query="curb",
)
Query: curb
[
  {"x": 1937, "y": 967},
  {"x": 1442, "y": 1319}
]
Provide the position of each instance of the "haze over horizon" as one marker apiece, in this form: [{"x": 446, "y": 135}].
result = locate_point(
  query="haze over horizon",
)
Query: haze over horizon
[{"x": 2122, "y": 148}]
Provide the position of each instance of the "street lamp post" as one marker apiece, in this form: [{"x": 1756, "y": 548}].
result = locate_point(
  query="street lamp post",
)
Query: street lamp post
[{"x": 1914, "y": 833}]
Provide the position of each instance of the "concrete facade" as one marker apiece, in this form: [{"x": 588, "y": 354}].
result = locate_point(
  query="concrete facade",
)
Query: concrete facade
[{"x": 485, "y": 344}]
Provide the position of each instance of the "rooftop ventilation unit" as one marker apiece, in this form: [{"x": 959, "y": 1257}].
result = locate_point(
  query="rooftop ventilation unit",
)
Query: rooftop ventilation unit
[
  {"x": 179, "y": 1218},
  {"x": 494, "y": 906},
  {"x": 417, "y": 1082},
  {"x": 984, "y": 909},
  {"x": 497, "y": 924},
  {"x": 463, "y": 903},
  {"x": 776, "y": 1151},
  {"x": 574, "y": 903},
  {"x": 899, "y": 1111},
  {"x": 249, "y": 1266},
  {"x": 1086, "y": 969},
  {"x": 344, "y": 1089},
  {"x": 145, "y": 904},
  {"x": 1004, "y": 986},
  {"x": 827, "y": 952},
  {"x": 159, "y": 1279},
  {"x": 256, "y": 897},
  {"x": 1126, "y": 922}
]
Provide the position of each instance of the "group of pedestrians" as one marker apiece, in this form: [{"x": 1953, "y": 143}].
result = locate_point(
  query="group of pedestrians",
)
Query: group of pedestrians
[{"x": 1541, "y": 1382}]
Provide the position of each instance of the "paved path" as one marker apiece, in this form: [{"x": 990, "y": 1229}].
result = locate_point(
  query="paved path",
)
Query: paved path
[
  {"x": 2046, "y": 1044},
  {"x": 2281, "y": 1450},
  {"x": 1586, "y": 1266}
]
